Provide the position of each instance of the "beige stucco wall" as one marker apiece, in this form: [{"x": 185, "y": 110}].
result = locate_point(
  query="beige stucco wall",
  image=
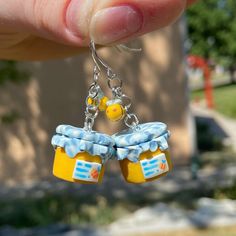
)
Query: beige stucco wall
[{"x": 154, "y": 79}]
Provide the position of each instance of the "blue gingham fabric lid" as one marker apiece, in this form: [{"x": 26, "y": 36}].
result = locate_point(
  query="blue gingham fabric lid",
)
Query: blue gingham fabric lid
[
  {"x": 76, "y": 140},
  {"x": 132, "y": 143},
  {"x": 144, "y": 132},
  {"x": 80, "y": 133}
]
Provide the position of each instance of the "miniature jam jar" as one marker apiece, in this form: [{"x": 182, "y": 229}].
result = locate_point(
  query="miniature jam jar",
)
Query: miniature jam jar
[
  {"x": 80, "y": 155},
  {"x": 143, "y": 152}
]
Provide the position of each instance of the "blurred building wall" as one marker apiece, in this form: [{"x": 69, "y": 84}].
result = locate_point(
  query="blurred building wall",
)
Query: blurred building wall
[{"x": 154, "y": 79}]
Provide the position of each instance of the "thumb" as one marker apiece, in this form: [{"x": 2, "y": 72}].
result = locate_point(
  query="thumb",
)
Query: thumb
[
  {"x": 122, "y": 20},
  {"x": 74, "y": 22}
]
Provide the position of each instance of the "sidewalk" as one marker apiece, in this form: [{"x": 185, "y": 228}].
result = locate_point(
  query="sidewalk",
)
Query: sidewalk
[
  {"x": 161, "y": 197},
  {"x": 157, "y": 219}
]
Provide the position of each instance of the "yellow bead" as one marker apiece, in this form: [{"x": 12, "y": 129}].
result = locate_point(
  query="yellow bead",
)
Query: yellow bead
[
  {"x": 115, "y": 112},
  {"x": 92, "y": 102},
  {"x": 103, "y": 105}
]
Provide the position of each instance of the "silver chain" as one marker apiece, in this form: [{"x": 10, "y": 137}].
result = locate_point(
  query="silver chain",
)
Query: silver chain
[
  {"x": 115, "y": 85},
  {"x": 92, "y": 110}
]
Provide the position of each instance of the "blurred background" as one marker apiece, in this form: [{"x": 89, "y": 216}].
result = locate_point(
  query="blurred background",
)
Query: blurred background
[{"x": 185, "y": 77}]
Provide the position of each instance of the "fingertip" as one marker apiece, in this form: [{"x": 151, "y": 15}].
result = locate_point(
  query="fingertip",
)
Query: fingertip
[
  {"x": 112, "y": 24},
  {"x": 115, "y": 23}
]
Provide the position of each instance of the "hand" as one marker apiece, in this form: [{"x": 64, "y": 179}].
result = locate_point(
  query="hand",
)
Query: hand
[{"x": 44, "y": 29}]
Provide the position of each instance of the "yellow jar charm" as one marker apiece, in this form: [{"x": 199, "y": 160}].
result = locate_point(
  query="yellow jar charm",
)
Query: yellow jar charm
[
  {"x": 80, "y": 155},
  {"x": 115, "y": 111},
  {"x": 143, "y": 152}
]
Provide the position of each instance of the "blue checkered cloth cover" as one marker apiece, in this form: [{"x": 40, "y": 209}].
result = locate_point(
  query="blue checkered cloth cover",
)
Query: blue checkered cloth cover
[
  {"x": 132, "y": 143},
  {"x": 76, "y": 140}
]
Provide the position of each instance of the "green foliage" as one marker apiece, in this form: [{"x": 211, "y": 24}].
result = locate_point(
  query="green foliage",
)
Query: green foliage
[
  {"x": 228, "y": 192},
  {"x": 10, "y": 72},
  {"x": 224, "y": 98},
  {"x": 10, "y": 117},
  {"x": 212, "y": 30},
  {"x": 53, "y": 208}
]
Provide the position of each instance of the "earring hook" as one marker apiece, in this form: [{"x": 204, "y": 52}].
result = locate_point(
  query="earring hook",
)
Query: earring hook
[{"x": 97, "y": 59}]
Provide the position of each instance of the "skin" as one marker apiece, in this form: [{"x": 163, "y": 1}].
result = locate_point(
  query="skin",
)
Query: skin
[{"x": 48, "y": 29}]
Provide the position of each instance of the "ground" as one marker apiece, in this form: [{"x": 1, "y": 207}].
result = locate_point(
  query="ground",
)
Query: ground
[
  {"x": 48, "y": 203},
  {"x": 223, "y": 231}
]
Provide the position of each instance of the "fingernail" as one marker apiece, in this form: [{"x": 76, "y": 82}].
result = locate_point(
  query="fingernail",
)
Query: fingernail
[
  {"x": 77, "y": 16},
  {"x": 115, "y": 23}
]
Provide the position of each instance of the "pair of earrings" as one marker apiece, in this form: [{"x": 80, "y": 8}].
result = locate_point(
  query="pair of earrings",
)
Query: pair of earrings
[{"x": 81, "y": 153}]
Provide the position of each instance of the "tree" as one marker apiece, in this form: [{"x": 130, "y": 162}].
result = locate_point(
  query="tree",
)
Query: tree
[
  {"x": 212, "y": 30},
  {"x": 10, "y": 73}
]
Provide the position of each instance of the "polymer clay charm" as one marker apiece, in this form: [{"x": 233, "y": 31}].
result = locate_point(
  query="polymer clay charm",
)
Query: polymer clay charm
[
  {"x": 143, "y": 152},
  {"x": 80, "y": 155},
  {"x": 99, "y": 101},
  {"x": 115, "y": 111}
]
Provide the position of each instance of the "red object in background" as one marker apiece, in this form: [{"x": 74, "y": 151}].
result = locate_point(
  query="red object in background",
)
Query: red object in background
[{"x": 201, "y": 63}]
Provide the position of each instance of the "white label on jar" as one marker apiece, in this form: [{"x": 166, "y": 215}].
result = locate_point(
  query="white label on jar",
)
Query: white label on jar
[
  {"x": 154, "y": 166},
  {"x": 87, "y": 171}
]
